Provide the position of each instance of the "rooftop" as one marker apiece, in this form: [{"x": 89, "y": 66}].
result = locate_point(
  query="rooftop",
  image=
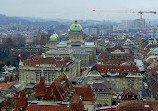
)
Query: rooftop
[
  {"x": 90, "y": 43},
  {"x": 47, "y": 61},
  {"x": 4, "y": 86}
]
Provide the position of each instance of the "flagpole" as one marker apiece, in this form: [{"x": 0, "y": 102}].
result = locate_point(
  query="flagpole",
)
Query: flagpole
[{"x": 19, "y": 55}]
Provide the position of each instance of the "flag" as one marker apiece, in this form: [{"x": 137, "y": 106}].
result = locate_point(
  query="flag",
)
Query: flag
[
  {"x": 19, "y": 55},
  {"x": 68, "y": 76}
]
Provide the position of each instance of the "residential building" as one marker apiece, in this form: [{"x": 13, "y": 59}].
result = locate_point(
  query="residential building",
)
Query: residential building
[
  {"x": 8, "y": 89},
  {"x": 116, "y": 56},
  {"x": 129, "y": 25},
  {"x": 103, "y": 93},
  {"x": 120, "y": 77}
]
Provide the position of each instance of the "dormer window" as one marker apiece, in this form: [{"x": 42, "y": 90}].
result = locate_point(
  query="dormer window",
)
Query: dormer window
[
  {"x": 37, "y": 64},
  {"x": 21, "y": 108},
  {"x": 53, "y": 65}
]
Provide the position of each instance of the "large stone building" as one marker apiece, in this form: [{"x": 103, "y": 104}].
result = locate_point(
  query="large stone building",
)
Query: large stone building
[
  {"x": 116, "y": 56},
  {"x": 103, "y": 93},
  {"x": 120, "y": 77},
  {"x": 75, "y": 46},
  {"x": 30, "y": 70}
]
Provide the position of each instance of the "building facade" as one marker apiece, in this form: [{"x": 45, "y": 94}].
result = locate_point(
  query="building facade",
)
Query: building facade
[
  {"x": 83, "y": 51},
  {"x": 103, "y": 93},
  {"x": 121, "y": 77},
  {"x": 31, "y": 69},
  {"x": 116, "y": 56},
  {"x": 109, "y": 82}
]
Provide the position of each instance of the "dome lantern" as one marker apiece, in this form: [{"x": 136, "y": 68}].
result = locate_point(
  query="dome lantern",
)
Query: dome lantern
[
  {"x": 54, "y": 37},
  {"x": 76, "y": 27}
]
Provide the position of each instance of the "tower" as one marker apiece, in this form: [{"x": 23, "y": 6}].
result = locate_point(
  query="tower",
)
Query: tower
[
  {"x": 75, "y": 34},
  {"x": 53, "y": 41}
]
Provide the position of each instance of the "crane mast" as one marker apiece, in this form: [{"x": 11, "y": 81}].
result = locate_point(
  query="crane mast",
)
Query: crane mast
[
  {"x": 141, "y": 27},
  {"x": 141, "y": 22}
]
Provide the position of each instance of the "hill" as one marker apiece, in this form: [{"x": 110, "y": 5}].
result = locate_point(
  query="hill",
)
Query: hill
[{"x": 6, "y": 20}]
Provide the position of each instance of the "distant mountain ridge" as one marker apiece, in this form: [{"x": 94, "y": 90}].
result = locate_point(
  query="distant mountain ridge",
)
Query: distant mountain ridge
[{"x": 6, "y": 20}]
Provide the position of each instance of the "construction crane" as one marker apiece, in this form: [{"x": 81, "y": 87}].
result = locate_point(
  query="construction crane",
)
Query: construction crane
[{"x": 141, "y": 22}]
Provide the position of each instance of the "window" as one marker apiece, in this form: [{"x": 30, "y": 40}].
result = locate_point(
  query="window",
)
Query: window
[
  {"x": 26, "y": 76},
  {"x": 38, "y": 74},
  {"x": 49, "y": 77},
  {"x": 45, "y": 76},
  {"x": 75, "y": 37},
  {"x": 53, "y": 77}
]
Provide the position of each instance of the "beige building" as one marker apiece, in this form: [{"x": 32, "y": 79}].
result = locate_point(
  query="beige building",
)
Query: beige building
[
  {"x": 30, "y": 70},
  {"x": 103, "y": 93},
  {"x": 75, "y": 46},
  {"x": 61, "y": 52},
  {"x": 120, "y": 78}
]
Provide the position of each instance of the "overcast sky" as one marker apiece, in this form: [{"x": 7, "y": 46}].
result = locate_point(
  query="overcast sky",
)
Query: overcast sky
[{"x": 77, "y": 9}]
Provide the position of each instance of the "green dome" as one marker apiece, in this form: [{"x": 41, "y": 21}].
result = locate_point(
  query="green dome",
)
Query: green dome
[
  {"x": 54, "y": 37},
  {"x": 75, "y": 27}
]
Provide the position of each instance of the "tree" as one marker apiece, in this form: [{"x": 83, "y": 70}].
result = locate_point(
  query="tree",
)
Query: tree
[
  {"x": 41, "y": 39},
  {"x": 1, "y": 65},
  {"x": 8, "y": 43},
  {"x": 19, "y": 41},
  {"x": 11, "y": 78}
]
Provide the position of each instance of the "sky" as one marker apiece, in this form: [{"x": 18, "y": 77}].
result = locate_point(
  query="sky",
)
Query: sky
[{"x": 78, "y": 9}]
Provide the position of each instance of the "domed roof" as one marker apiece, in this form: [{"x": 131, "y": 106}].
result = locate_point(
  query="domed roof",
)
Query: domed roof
[
  {"x": 54, "y": 37},
  {"x": 75, "y": 26}
]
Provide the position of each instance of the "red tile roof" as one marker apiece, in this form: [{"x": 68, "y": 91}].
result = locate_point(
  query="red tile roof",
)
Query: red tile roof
[
  {"x": 57, "y": 62},
  {"x": 116, "y": 69},
  {"x": 21, "y": 101},
  {"x": 58, "y": 89},
  {"x": 85, "y": 93},
  {"x": 129, "y": 91},
  {"x": 4, "y": 86},
  {"x": 76, "y": 103},
  {"x": 151, "y": 46},
  {"x": 102, "y": 43},
  {"x": 112, "y": 62},
  {"x": 48, "y": 108},
  {"x": 104, "y": 86},
  {"x": 133, "y": 105},
  {"x": 115, "y": 48},
  {"x": 35, "y": 57},
  {"x": 153, "y": 104},
  {"x": 41, "y": 90},
  {"x": 138, "y": 105}
]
